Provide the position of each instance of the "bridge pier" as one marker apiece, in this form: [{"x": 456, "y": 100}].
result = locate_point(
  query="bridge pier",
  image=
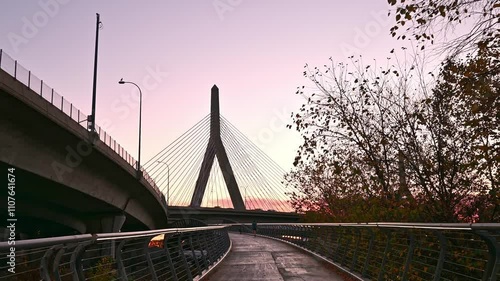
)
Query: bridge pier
[
  {"x": 110, "y": 223},
  {"x": 106, "y": 223}
]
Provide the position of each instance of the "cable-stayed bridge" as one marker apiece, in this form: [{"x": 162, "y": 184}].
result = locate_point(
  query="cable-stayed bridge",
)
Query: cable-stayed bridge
[
  {"x": 213, "y": 172},
  {"x": 214, "y": 164}
]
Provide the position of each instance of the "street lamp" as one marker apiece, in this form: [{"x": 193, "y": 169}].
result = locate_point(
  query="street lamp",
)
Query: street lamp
[
  {"x": 139, "y": 173},
  {"x": 168, "y": 181}
]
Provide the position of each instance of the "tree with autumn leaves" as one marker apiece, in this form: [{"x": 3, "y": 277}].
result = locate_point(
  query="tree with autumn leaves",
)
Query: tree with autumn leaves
[{"x": 392, "y": 144}]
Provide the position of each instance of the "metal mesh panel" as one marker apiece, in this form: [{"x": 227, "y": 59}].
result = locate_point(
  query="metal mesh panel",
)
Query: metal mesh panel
[
  {"x": 8, "y": 64},
  {"x": 35, "y": 84},
  {"x": 22, "y": 75}
]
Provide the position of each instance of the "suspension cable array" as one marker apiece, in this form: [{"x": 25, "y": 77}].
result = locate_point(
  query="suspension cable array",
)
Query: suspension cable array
[{"x": 177, "y": 168}]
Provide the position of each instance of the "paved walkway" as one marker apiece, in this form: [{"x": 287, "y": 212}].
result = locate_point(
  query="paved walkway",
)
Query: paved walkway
[{"x": 256, "y": 258}]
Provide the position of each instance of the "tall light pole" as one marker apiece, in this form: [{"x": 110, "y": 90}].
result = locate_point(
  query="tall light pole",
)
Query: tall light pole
[
  {"x": 168, "y": 181},
  {"x": 139, "y": 172},
  {"x": 91, "y": 118}
]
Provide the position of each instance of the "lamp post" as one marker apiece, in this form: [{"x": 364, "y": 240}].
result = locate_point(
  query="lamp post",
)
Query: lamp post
[
  {"x": 91, "y": 118},
  {"x": 168, "y": 181},
  {"x": 139, "y": 173}
]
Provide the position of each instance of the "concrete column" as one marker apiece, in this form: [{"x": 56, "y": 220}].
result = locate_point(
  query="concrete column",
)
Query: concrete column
[{"x": 108, "y": 223}]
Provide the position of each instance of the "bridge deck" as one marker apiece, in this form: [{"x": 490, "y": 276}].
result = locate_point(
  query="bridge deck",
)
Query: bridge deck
[{"x": 257, "y": 258}]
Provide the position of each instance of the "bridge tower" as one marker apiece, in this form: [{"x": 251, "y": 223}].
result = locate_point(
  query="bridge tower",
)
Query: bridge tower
[{"x": 215, "y": 147}]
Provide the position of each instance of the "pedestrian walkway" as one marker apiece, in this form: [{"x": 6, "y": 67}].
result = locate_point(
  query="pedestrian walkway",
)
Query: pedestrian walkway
[{"x": 257, "y": 258}]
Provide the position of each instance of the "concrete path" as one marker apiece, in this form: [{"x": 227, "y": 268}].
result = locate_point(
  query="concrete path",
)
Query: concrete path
[{"x": 256, "y": 258}]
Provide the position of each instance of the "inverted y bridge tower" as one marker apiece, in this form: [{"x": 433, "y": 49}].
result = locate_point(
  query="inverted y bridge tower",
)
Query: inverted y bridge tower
[{"x": 215, "y": 147}]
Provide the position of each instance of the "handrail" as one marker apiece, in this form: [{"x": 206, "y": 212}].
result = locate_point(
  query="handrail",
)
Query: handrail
[
  {"x": 181, "y": 254},
  {"x": 397, "y": 251},
  {"x": 465, "y": 226},
  {"x": 136, "y": 234},
  {"x": 50, "y": 241}
]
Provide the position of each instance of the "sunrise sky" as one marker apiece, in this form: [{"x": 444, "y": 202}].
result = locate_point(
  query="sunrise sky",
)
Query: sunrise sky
[{"x": 176, "y": 51}]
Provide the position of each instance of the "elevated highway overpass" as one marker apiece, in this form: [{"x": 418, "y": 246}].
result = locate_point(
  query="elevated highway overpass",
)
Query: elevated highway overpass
[{"x": 67, "y": 179}]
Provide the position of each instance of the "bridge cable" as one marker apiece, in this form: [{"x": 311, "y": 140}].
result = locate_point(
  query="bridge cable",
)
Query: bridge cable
[
  {"x": 261, "y": 184},
  {"x": 261, "y": 177}
]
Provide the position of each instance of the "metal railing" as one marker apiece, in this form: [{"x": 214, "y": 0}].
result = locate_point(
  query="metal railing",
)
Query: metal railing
[
  {"x": 399, "y": 251},
  {"x": 21, "y": 74},
  {"x": 181, "y": 254}
]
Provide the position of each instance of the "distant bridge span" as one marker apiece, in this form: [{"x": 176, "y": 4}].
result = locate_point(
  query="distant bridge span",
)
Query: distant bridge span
[{"x": 218, "y": 215}]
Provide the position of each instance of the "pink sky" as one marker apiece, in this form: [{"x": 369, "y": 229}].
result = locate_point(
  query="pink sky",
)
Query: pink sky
[{"x": 176, "y": 50}]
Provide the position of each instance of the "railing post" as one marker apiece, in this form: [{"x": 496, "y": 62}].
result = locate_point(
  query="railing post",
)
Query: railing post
[
  {"x": 207, "y": 246},
  {"x": 220, "y": 244},
  {"x": 442, "y": 255},
  {"x": 55, "y": 265},
  {"x": 71, "y": 110},
  {"x": 150, "y": 262},
  {"x": 492, "y": 268},
  {"x": 320, "y": 240},
  {"x": 15, "y": 69},
  {"x": 203, "y": 255},
  {"x": 29, "y": 79},
  {"x": 370, "y": 248},
  {"x": 338, "y": 233},
  {"x": 327, "y": 246},
  {"x": 194, "y": 254},
  {"x": 41, "y": 87},
  {"x": 52, "y": 97},
  {"x": 340, "y": 246},
  {"x": 62, "y": 103},
  {"x": 169, "y": 258},
  {"x": 386, "y": 253},
  {"x": 1, "y": 53},
  {"x": 44, "y": 263},
  {"x": 119, "y": 261},
  {"x": 355, "y": 254},
  {"x": 409, "y": 256},
  {"x": 76, "y": 262},
  {"x": 347, "y": 244},
  {"x": 183, "y": 258}
]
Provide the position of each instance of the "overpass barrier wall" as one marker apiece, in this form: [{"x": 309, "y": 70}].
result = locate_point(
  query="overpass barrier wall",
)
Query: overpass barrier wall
[
  {"x": 181, "y": 254},
  {"x": 398, "y": 251},
  {"x": 21, "y": 74}
]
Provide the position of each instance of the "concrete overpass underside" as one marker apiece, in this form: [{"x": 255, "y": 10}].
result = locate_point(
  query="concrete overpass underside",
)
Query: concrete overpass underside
[
  {"x": 46, "y": 208},
  {"x": 64, "y": 183}
]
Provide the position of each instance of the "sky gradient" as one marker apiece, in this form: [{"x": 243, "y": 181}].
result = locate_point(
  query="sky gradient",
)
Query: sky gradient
[{"x": 254, "y": 51}]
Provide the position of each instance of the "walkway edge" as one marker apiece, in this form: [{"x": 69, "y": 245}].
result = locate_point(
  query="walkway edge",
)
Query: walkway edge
[
  {"x": 353, "y": 275},
  {"x": 204, "y": 274}
]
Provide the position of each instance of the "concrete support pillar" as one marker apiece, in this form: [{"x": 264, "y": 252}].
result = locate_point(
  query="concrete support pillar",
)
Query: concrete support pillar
[
  {"x": 106, "y": 223},
  {"x": 113, "y": 224}
]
